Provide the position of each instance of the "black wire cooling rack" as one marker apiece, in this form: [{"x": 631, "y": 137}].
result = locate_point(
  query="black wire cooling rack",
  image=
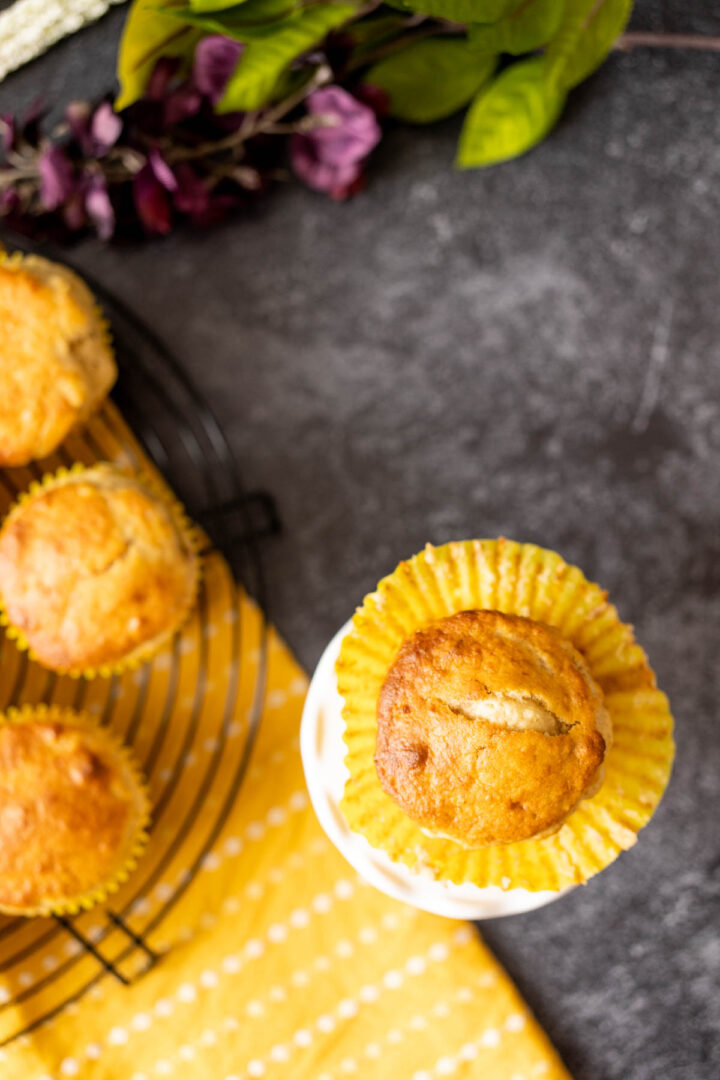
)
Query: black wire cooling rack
[{"x": 182, "y": 436}]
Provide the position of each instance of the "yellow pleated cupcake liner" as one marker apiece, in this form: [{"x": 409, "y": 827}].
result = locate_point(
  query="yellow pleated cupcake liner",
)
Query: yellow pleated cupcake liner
[
  {"x": 130, "y": 770},
  {"x": 519, "y": 579},
  {"x": 185, "y": 527}
]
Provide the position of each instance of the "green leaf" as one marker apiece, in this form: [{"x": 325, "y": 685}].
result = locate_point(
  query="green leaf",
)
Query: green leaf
[
  {"x": 264, "y": 61},
  {"x": 367, "y": 34},
  {"x": 243, "y": 22},
  {"x": 370, "y": 31},
  {"x": 462, "y": 11},
  {"x": 528, "y": 27},
  {"x": 213, "y": 5},
  {"x": 586, "y": 35},
  {"x": 430, "y": 79},
  {"x": 149, "y": 34},
  {"x": 514, "y": 113}
]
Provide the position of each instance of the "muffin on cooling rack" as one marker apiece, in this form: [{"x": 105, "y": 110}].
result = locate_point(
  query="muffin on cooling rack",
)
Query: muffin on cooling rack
[
  {"x": 503, "y": 728},
  {"x": 56, "y": 363},
  {"x": 73, "y": 812},
  {"x": 97, "y": 571}
]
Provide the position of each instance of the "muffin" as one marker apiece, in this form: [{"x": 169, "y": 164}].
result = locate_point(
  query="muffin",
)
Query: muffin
[
  {"x": 503, "y": 728},
  {"x": 96, "y": 571},
  {"x": 73, "y": 812},
  {"x": 56, "y": 363},
  {"x": 490, "y": 729}
]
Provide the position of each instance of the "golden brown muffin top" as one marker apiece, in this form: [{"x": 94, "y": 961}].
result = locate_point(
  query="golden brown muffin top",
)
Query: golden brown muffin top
[
  {"x": 490, "y": 728},
  {"x": 56, "y": 364},
  {"x": 71, "y": 812},
  {"x": 94, "y": 569}
]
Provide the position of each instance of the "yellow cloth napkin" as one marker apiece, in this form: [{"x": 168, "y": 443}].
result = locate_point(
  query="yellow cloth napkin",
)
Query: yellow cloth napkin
[
  {"x": 281, "y": 962},
  {"x": 277, "y": 961}
]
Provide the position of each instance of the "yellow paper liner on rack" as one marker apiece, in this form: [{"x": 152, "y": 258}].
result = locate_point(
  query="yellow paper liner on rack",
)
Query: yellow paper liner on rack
[
  {"x": 190, "y": 534},
  {"x": 110, "y": 746},
  {"x": 525, "y": 580}
]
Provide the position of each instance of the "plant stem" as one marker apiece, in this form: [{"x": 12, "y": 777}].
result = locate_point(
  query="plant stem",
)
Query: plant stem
[
  {"x": 639, "y": 39},
  {"x": 254, "y": 123}
]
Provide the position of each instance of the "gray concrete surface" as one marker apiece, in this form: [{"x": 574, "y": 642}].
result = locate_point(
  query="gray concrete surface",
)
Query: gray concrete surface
[{"x": 533, "y": 351}]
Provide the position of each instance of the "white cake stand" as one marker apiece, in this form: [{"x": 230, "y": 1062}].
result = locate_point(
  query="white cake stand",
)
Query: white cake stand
[{"x": 323, "y": 754}]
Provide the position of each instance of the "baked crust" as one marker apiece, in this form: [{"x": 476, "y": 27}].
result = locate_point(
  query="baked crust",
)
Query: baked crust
[
  {"x": 94, "y": 570},
  {"x": 56, "y": 364},
  {"x": 490, "y": 729},
  {"x": 72, "y": 812}
]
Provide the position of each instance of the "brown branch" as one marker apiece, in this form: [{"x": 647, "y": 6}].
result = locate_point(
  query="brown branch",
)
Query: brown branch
[
  {"x": 255, "y": 123},
  {"x": 640, "y": 39}
]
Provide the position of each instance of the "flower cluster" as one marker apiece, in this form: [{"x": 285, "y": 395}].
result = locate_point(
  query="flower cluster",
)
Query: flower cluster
[{"x": 170, "y": 156}]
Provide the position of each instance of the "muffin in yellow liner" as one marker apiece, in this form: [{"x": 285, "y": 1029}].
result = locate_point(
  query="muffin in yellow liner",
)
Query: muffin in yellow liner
[
  {"x": 74, "y": 812},
  {"x": 517, "y": 579},
  {"x": 98, "y": 569},
  {"x": 56, "y": 360}
]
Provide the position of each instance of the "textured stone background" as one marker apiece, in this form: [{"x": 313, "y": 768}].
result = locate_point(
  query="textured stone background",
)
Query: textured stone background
[{"x": 533, "y": 351}]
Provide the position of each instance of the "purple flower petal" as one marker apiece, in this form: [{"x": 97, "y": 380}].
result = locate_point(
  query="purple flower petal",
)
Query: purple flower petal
[
  {"x": 105, "y": 128},
  {"x": 216, "y": 58},
  {"x": 99, "y": 208},
  {"x": 162, "y": 74},
  {"x": 182, "y": 103},
  {"x": 191, "y": 196},
  {"x": 151, "y": 202},
  {"x": 162, "y": 171},
  {"x": 317, "y": 173},
  {"x": 57, "y": 180},
  {"x": 351, "y": 131}
]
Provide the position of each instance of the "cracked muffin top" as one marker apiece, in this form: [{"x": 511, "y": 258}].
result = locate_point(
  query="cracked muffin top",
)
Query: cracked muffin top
[
  {"x": 94, "y": 569},
  {"x": 490, "y": 729},
  {"x": 56, "y": 364}
]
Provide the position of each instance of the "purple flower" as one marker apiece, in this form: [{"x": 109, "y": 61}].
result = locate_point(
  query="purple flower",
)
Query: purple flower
[
  {"x": 96, "y": 132},
  {"x": 151, "y": 201},
  {"x": 329, "y": 158},
  {"x": 99, "y": 208},
  {"x": 57, "y": 180},
  {"x": 182, "y": 103},
  {"x": 162, "y": 75},
  {"x": 191, "y": 195},
  {"x": 216, "y": 58}
]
